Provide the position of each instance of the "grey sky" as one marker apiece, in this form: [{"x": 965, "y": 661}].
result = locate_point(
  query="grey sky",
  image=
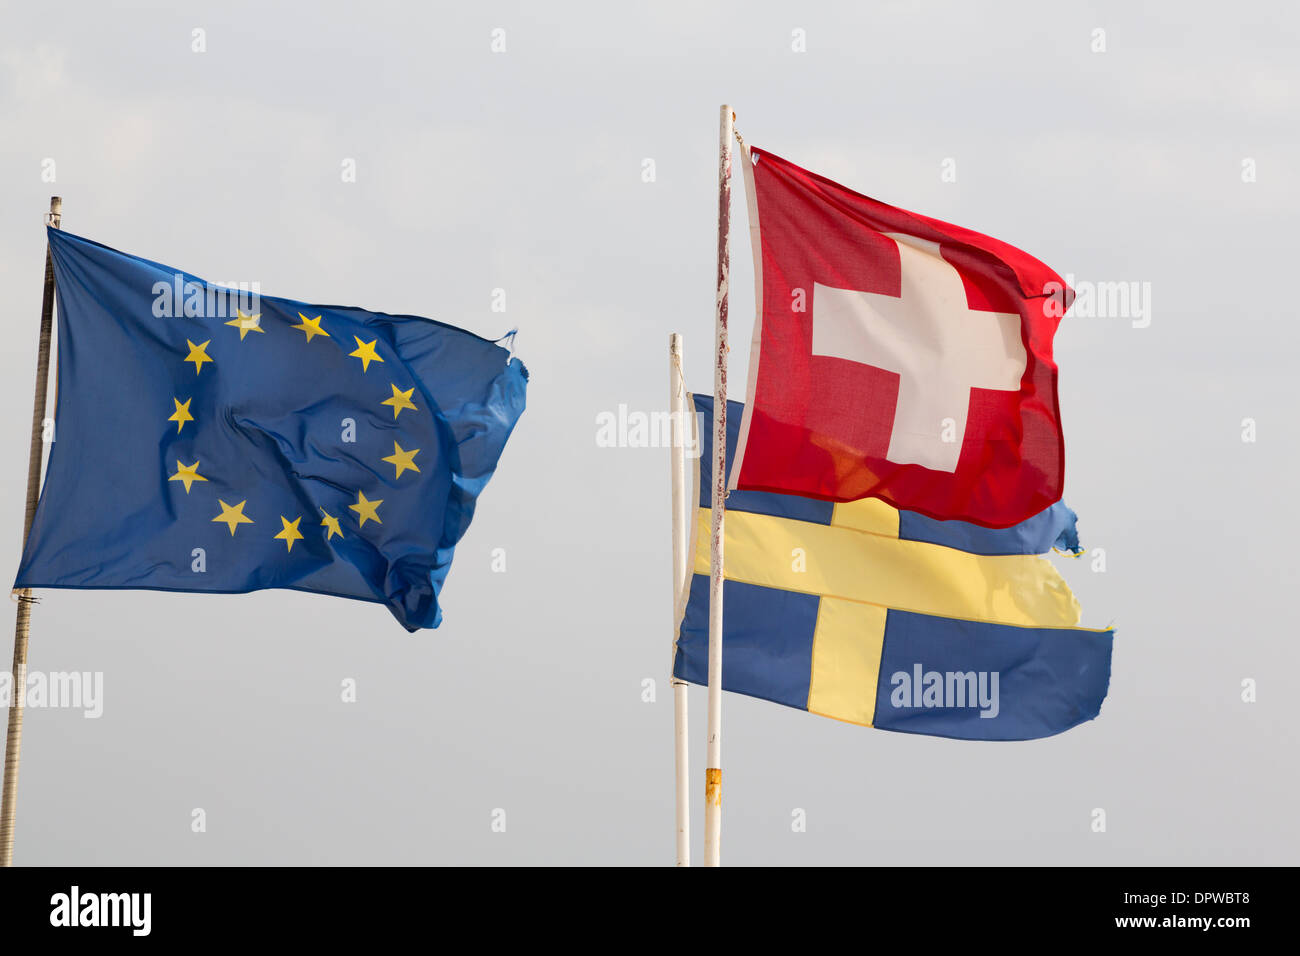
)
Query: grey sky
[{"x": 522, "y": 171}]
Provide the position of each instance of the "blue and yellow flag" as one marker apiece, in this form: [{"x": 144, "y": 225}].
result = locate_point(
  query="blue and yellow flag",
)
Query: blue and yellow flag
[
  {"x": 212, "y": 439},
  {"x": 890, "y": 619}
]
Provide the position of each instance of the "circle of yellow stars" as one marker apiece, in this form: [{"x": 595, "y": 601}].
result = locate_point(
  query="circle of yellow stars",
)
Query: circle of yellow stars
[{"x": 232, "y": 515}]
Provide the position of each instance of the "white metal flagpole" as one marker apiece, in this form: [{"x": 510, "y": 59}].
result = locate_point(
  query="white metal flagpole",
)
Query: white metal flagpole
[
  {"x": 683, "y": 509},
  {"x": 713, "y": 765}
]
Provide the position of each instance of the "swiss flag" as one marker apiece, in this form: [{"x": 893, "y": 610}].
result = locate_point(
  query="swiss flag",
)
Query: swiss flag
[{"x": 896, "y": 357}]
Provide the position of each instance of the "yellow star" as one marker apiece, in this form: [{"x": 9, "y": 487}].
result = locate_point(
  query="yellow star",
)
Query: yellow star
[
  {"x": 331, "y": 522},
  {"x": 366, "y": 352},
  {"x": 188, "y": 474},
  {"x": 233, "y": 515},
  {"x": 197, "y": 355},
  {"x": 182, "y": 414},
  {"x": 367, "y": 509},
  {"x": 400, "y": 400},
  {"x": 289, "y": 533},
  {"x": 311, "y": 327},
  {"x": 402, "y": 459},
  {"x": 247, "y": 323}
]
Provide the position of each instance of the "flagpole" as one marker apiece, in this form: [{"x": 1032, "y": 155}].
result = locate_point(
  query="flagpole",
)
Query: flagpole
[
  {"x": 713, "y": 765},
  {"x": 681, "y": 752},
  {"x": 22, "y": 626}
]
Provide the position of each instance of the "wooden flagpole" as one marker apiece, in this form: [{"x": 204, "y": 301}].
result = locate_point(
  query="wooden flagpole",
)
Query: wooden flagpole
[
  {"x": 683, "y": 510},
  {"x": 713, "y": 765},
  {"x": 22, "y": 627}
]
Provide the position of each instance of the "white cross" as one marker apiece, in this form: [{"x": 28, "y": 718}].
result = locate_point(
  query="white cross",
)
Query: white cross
[{"x": 939, "y": 347}]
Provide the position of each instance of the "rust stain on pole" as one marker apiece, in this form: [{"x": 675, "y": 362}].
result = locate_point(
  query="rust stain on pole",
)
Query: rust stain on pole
[{"x": 713, "y": 786}]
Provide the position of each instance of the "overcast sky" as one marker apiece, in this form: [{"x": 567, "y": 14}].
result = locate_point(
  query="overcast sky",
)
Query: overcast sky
[{"x": 522, "y": 170}]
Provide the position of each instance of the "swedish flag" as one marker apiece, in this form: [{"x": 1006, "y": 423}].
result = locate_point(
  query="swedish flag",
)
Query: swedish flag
[
  {"x": 212, "y": 439},
  {"x": 890, "y": 619}
]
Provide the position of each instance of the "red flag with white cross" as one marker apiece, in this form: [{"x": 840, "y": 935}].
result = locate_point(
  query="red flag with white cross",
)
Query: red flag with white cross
[{"x": 896, "y": 357}]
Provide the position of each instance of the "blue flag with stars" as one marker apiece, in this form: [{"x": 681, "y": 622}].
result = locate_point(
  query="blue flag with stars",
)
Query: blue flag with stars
[{"x": 213, "y": 439}]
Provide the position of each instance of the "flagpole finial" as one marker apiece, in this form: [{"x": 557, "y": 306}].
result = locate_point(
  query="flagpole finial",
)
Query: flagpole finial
[{"x": 55, "y": 216}]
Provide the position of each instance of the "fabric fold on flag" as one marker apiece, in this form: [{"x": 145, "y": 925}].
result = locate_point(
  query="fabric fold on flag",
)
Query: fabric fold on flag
[
  {"x": 213, "y": 439},
  {"x": 880, "y": 617}
]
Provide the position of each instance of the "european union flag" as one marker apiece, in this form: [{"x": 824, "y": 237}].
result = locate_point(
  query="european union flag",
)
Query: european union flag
[{"x": 213, "y": 439}]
